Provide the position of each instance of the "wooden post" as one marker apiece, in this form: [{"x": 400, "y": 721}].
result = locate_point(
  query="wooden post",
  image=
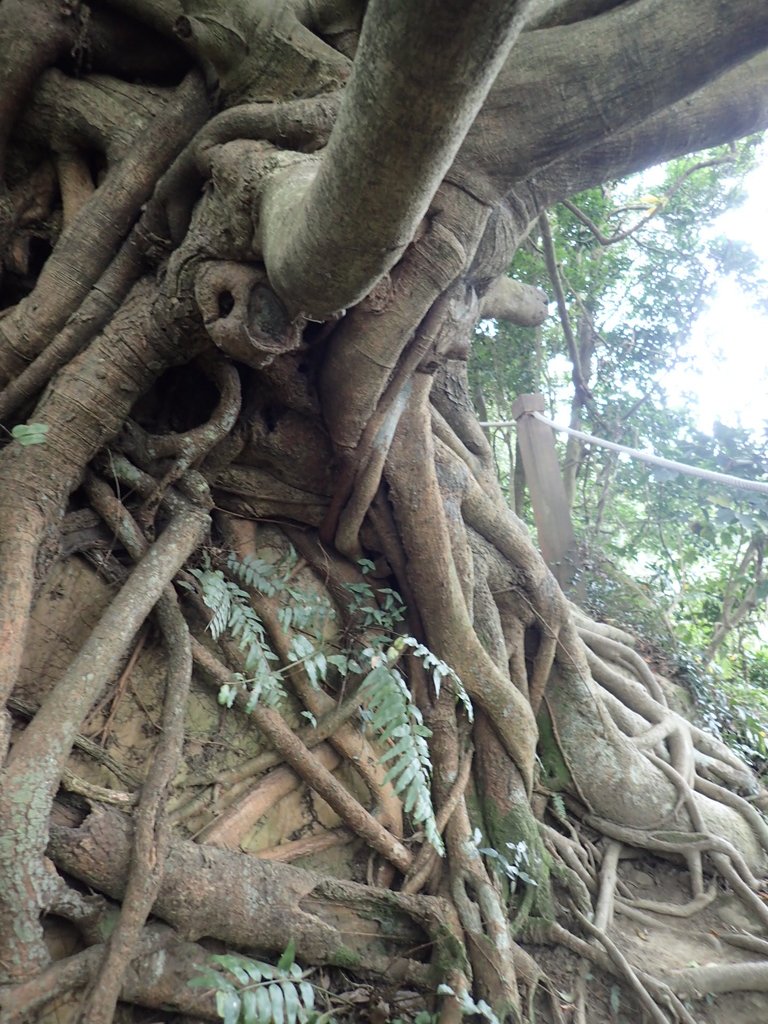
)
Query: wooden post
[{"x": 545, "y": 485}]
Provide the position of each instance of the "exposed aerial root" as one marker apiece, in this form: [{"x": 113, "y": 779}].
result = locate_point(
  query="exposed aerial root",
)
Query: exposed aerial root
[
  {"x": 682, "y": 755},
  {"x": 308, "y": 766},
  {"x": 102, "y": 224},
  {"x": 190, "y": 448},
  {"x": 427, "y": 859},
  {"x": 151, "y": 825},
  {"x": 570, "y": 758},
  {"x": 698, "y": 981},
  {"x": 47, "y": 741},
  {"x": 689, "y": 909}
]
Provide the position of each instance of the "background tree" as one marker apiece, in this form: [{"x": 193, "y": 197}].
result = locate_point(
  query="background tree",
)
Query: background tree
[
  {"x": 632, "y": 272},
  {"x": 244, "y": 249}
]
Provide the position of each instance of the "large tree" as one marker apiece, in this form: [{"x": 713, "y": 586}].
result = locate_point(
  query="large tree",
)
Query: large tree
[{"x": 244, "y": 247}]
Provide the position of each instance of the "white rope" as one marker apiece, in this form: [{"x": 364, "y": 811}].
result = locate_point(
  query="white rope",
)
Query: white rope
[{"x": 653, "y": 460}]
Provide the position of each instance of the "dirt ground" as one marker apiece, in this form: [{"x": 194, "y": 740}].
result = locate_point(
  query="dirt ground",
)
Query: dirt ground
[{"x": 663, "y": 944}]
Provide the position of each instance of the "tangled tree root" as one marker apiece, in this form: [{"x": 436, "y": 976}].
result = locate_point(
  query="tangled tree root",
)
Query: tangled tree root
[
  {"x": 351, "y": 440},
  {"x": 599, "y": 706}
]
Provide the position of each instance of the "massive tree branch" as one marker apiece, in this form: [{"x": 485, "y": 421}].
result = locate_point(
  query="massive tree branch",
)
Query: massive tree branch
[
  {"x": 420, "y": 76},
  {"x": 566, "y": 89},
  {"x": 565, "y": 12},
  {"x": 734, "y": 105}
]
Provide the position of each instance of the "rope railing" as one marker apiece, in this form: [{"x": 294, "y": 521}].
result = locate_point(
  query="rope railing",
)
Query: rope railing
[{"x": 653, "y": 460}]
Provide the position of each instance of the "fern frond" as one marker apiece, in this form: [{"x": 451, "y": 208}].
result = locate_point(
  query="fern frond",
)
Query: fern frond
[
  {"x": 232, "y": 611},
  {"x": 263, "y": 993},
  {"x": 558, "y": 807},
  {"x": 394, "y": 716},
  {"x": 440, "y": 670},
  {"x": 390, "y": 710},
  {"x": 215, "y": 591},
  {"x": 256, "y": 573},
  {"x": 309, "y": 612}
]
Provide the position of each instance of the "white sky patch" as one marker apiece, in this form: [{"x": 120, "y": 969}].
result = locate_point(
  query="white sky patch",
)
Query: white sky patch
[{"x": 728, "y": 380}]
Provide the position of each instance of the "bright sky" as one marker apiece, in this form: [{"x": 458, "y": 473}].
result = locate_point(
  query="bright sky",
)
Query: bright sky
[{"x": 729, "y": 343}]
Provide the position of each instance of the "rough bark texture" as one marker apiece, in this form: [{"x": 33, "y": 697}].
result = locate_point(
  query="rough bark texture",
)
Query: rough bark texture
[{"x": 243, "y": 249}]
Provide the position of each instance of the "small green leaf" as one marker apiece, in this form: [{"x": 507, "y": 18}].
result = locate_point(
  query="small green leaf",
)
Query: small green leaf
[
  {"x": 228, "y": 1006},
  {"x": 230, "y": 961},
  {"x": 615, "y": 999},
  {"x": 288, "y": 957},
  {"x": 30, "y": 433},
  {"x": 307, "y": 994},
  {"x": 257, "y": 970},
  {"x": 405, "y": 774},
  {"x": 277, "y": 1004},
  {"x": 292, "y": 1005},
  {"x": 250, "y": 1010},
  {"x": 240, "y": 974},
  {"x": 264, "y": 1005},
  {"x": 206, "y": 979},
  {"x": 403, "y": 746}
]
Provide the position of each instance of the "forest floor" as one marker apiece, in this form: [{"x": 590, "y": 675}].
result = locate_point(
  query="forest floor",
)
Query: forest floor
[{"x": 662, "y": 944}]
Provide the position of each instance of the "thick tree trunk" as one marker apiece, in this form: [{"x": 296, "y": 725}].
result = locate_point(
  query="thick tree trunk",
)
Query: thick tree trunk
[{"x": 241, "y": 268}]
